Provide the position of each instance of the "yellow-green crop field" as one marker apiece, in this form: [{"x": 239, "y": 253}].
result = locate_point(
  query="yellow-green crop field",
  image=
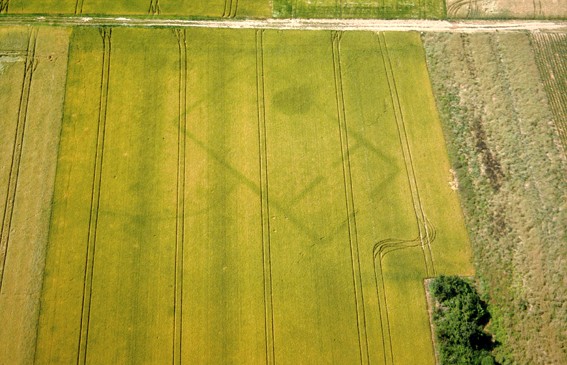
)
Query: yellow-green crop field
[
  {"x": 199, "y": 8},
  {"x": 426, "y": 9},
  {"x": 238, "y": 197}
]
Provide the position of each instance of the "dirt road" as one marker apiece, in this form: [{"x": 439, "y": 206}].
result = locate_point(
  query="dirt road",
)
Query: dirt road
[{"x": 305, "y": 24}]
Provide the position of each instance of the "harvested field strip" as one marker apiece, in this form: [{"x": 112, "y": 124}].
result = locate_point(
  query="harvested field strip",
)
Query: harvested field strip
[
  {"x": 349, "y": 199},
  {"x": 181, "y": 35},
  {"x": 265, "y": 203},
  {"x": 550, "y": 50},
  {"x": 95, "y": 197},
  {"x": 18, "y": 142}
]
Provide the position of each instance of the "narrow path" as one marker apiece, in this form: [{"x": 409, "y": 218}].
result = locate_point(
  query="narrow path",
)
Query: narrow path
[{"x": 298, "y": 24}]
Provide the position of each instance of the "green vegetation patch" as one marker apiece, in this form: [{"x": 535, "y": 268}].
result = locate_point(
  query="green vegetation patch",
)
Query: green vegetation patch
[
  {"x": 459, "y": 318},
  {"x": 385, "y": 9}
]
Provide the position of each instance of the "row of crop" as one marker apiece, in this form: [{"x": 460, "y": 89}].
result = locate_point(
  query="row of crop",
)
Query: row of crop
[{"x": 550, "y": 51}]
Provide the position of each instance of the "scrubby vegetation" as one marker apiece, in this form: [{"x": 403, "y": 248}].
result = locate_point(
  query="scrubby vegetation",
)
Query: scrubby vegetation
[
  {"x": 459, "y": 318},
  {"x": 511, "y": 171}
]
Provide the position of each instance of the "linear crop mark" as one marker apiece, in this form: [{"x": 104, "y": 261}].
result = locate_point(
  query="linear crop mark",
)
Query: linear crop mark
[
  {"x": 106, "y": 34},
  {"x": 181, "y": 35},
  {"x": 230, "y": 9},
  {"x": 79, "y": 7},
  {"x": 265, "y": 201},
  {"x": 154, "y": 8},
  {"x": 349, "y": 200},
  {"x": 30, "y": 66}
]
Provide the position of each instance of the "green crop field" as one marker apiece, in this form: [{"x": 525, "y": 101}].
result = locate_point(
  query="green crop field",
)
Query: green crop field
[
  {"x": 181, "y": 8},
  {"x": 247, "y": 196},
  {"x": 427, "y": 9}
]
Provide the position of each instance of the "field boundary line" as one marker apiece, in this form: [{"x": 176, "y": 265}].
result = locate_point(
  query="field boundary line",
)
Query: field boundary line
[
  {"x": 265, "y": 202},
  {"x": 181, "y": 35},
  {"x": 349, "y": 200},
  {"x": 30, "y": 65},
  {"x": 106, "y": 35}
]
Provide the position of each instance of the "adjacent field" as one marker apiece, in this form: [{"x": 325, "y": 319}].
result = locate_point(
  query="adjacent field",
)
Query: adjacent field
[
  {"x": 280, "y": 199},
  {"x": 195, "y": 8},
  {"x": 32, "y": 82},
  {"x": 538, "y": 9},
  {"x": 511, "y": 169},
  {"x": 424, "y": 9}
]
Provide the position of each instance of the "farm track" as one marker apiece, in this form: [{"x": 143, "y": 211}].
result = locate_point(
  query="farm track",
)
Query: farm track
[
  {"x": 30, "y": 65},
  {"x": 181, "y": 35},
  {"x": 264, "y": 201},
  {"x": 295, "y": 24},
  {"x": 106, "y": 35},
  {"x": 349, "y": 200}
]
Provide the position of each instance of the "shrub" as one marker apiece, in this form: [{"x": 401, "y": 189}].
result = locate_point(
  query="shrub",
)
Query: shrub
[{"x": 459, "y": 317}]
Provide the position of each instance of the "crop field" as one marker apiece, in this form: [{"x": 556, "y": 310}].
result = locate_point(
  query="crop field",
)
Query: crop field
[
  {"x": 551, "y": 51},
  {"x": 194, "y": 8},
  {"x": 511, "y": 172},
  {"x": 430, "y": 9},
  {"x": 425, "y": 9},
  {"x": 539, "y": 9},
  {"x": 32, "y": 84},
  {"x": 227, "y": 196}
]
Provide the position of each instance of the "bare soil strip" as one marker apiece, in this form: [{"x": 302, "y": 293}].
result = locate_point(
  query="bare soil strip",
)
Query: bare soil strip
[{"x": 299, "y": 24}]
